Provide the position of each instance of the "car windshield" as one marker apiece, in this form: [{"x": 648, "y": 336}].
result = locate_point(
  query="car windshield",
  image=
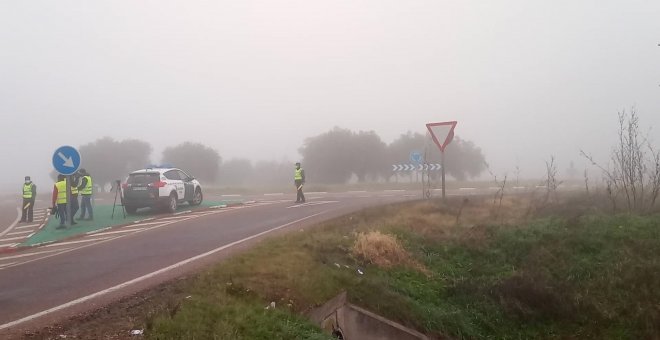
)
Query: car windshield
[{"x": 143, "y": 178}]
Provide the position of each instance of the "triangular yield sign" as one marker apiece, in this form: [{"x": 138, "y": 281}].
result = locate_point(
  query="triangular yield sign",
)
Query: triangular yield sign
[{"x": 442, "y": 133}]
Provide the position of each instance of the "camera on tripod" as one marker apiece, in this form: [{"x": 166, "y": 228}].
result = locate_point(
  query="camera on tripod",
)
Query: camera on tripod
[{"x": 120, "y": 194}]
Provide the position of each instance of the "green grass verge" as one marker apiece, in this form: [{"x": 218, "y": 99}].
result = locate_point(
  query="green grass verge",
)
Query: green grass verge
[{"x": 590, "y": 276}]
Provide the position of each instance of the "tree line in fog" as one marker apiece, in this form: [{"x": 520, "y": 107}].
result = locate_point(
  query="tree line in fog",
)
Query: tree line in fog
[{"x": 333, "y": 157}]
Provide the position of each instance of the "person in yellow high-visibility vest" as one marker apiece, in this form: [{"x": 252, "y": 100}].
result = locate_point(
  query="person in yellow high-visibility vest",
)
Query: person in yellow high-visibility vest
[
  {"x": 299, "y": 181},
  {"x": 85, "y": 189},
  {"x": 59, "y": 200},
  {"x": 29, "y": 196}
]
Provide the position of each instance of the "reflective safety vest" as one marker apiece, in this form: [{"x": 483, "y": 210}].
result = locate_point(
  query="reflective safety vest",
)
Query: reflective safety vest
[
  {"x": 27, "y": 191},
  {"x": 61, "y": 192},
  {"x": 87, "y": 190},
  {"x": 298, "y": 175}
]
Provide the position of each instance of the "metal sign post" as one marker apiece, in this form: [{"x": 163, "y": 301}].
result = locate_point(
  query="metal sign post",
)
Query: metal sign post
[
  {"x": 442, "y": 134},
  {"x": 66, "y": 161}
]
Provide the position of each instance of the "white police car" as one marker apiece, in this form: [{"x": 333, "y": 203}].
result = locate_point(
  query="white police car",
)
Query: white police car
[{"x": 160, "y": 187}]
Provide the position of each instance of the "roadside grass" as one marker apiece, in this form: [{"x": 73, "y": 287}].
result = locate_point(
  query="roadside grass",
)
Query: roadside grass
[{"x": 464, "y": 269}]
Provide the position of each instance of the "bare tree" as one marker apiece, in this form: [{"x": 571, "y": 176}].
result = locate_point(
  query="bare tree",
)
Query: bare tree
[
  {"x": 634, "y": 168},
  {"x": 551, "y": 182}
]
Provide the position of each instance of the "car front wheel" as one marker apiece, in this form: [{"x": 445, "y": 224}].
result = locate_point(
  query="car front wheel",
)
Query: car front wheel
[{"x": 198, "y": 198}]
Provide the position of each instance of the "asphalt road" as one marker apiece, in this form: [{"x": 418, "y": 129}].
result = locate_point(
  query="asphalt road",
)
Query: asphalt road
[{"x": 45, "y": 284}]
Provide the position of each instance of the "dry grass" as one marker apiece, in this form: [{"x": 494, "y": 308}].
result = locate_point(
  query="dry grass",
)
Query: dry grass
[{"x": 383, "y": 250}]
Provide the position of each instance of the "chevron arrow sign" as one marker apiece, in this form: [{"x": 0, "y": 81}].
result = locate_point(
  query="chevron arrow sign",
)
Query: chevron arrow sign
[{"x": 418, "y": 167}]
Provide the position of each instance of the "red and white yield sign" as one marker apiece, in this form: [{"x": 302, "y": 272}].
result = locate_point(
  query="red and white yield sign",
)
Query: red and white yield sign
[{"x": 442, "y": 133}]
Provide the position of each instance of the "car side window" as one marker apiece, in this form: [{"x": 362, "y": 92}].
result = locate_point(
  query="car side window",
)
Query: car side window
[
  {"x": 172, "y": 175},
  {"x": 183, "y": 175}
]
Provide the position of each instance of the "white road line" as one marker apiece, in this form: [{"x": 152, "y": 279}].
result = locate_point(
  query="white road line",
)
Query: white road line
[
  {"x": 275, "y": 194},
  {"x": 316, "y": 192},
  {"x": 150, "y": 275},
  {"x": 12, "y": 238},
  {"x": 119, "y": 231},
  {"x": 394, "y": 190},
  {"x": 18, "y": 217},
  {"x": 519, "y": 187},
  {"x": 409, "y": 195},
  {"x": 467, "y": 188},
  {"x": 541, "y": 186},
  {"x": 30, "y": 254},
  {"x": 76, "y": 242},
  {"x": 311, "y": 204},
  {"x": 8, "y": 245},
  {"x": 172, "y": 218},
  {"x": 27, "y": 226},
  {"x": 2, "y": 266},
  {"x": 19, "y": 232},
  {"x": 141, "y": 224},
  {"x": 231, "y": 195},
  {"x": 182, "y": 212}
]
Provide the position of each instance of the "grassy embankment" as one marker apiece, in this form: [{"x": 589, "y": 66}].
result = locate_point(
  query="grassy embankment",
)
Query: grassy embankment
[{"x": 503, "y": 272}]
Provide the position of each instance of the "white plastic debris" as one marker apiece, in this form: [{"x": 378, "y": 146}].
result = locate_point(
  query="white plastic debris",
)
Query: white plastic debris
[
  {"x": 62, "y": 336},
  {"x": 188, "y": 297},
  {"x": 360, "y": 272},
  {"x": 272, "y": 304},
  {"x": 137, "y": 332},
  {"x": 337, "y": 265}
]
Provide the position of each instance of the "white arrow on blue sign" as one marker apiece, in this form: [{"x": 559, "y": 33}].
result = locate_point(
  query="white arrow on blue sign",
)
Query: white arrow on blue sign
[{"x": 66, "y": 160}]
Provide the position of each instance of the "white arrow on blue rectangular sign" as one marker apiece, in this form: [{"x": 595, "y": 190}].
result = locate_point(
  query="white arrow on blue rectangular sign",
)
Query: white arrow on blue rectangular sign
[{"x": 66, "y": 160}]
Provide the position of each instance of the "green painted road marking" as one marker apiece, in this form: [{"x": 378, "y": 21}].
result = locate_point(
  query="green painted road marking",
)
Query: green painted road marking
[{"x": 103, "y": 220}]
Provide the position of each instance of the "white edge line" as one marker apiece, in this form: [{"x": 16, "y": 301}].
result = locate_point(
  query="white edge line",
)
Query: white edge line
[
  {"x": 18, "y": 217},
  {"x": 182, "y": 212},
  {"x": 6, "y": 265},
  {"x": 218, "y": 206},
  {"x": 145, "y": 220},
  {"x": 97, "y": 231},
  {"x": 275, "y": 194},
  {"x": 147, "y": 276}
]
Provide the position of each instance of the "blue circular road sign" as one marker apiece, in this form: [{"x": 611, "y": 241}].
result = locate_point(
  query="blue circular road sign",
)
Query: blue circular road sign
[
  {"x": 416, "y": 157},
  {"x": 66, "y": 160}
]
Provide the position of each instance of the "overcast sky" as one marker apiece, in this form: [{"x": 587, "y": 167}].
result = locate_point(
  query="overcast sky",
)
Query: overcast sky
[{"x": 524, "y": 79}]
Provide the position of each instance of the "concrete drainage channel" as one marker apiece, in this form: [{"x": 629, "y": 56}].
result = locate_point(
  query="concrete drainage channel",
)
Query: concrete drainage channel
[{"x": 347, "y": 321}]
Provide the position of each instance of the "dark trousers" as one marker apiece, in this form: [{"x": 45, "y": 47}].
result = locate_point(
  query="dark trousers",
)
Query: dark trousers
[
  {"x": 28, "y": 206},
  {"x": 86, "y": 206},
  {"x": 61, "y": 210},
  {"x": 74, "y": 205},
  {"x": 301, "y": 196}
]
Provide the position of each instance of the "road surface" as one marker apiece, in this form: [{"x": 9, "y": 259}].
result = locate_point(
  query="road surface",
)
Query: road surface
[{"x": 45, "y": 284}]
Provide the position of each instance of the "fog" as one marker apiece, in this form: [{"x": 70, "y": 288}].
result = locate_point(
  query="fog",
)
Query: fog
[{"x": 253, "y": 79}]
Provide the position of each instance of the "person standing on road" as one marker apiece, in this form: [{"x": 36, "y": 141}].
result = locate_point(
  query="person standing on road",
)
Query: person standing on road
[
  {"x": 85, "y": 188},
  {"x": 29, "y": 195},
  {"x": 59, "y": 200},
  {"x": 299, "y": 181}
]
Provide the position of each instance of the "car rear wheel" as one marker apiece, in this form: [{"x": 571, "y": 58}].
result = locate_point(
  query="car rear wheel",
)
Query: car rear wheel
[
  {"x": 171, "y": 203},
  {"x": 197, "y": 198}
]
